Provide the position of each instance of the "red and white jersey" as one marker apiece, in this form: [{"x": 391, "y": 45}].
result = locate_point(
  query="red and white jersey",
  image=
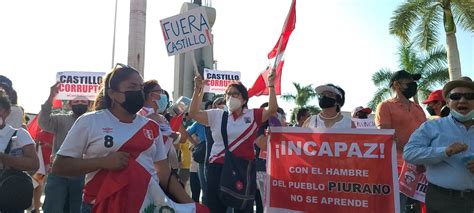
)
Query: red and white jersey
[
  {"x": 241, "y": 133},
  {"x": 165, "y": 128},
  {"x": 98, "y": 133},
  {"x": 134, "y": 188}
]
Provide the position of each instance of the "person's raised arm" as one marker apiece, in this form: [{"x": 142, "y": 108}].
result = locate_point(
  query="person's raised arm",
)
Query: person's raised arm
[
  {"x": 272, "y": 101},
  {"x": 195, "y": 111},
  {"x": 46, "y": 121}
]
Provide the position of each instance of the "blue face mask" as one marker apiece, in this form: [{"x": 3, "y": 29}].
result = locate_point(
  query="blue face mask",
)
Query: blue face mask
[
  {"x": 463, "y": 118},
  {"x": 162, "y": 103}
]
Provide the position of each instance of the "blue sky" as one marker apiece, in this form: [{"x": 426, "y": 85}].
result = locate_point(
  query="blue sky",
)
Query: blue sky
[{"x": 342, "y": 42}]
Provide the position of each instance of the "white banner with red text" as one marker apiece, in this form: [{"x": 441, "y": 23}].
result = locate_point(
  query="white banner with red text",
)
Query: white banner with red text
[
  {"x": 218, "y": 80},
  {"x": 74, "y": 84}
]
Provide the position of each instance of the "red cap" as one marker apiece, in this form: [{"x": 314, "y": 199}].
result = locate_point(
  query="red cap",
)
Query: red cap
[
  {"x": 436, "y": 95},
  {"x": 361, "y": 109}
]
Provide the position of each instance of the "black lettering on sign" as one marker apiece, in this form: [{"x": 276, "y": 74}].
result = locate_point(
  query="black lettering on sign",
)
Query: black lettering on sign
[{"x": 108, "y": 141}]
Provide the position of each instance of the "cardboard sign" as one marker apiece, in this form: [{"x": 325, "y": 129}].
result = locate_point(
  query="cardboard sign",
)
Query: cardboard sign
[
  {"x": 331, "y": 170},
  {"x": 79, "y": 84},
  {"x": 186, "y": 31},
  {"x": 413, "y": 183},
  {"x": 368, "y": 123},
  {"x": 218, "y": 80}
]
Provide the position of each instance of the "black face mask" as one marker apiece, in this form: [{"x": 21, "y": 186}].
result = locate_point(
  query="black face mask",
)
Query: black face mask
[
  {"x": 326, "y": 102},
  {"x": 134, "y": 101},
  {"x": 430, "y": 110},
  {"x": 411, "y": 90},
  {"x": 79, "y": 109},
  {"x": 362, "y": 115}
]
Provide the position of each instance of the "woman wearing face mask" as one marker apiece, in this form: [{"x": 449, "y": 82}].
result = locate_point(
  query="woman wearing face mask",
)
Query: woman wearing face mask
[
  {"x": 156, "y": 103},
  {"x": 331, "y": 99},
  {"x": 120, "y": 152},
  {"x": 242, "y": 126},
  {"x": 22, "y": 155},
  {"x": 155, "y": 100}
]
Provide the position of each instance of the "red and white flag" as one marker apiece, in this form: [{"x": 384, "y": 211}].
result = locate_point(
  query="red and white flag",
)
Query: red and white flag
[{"x": 260, "y": 87}]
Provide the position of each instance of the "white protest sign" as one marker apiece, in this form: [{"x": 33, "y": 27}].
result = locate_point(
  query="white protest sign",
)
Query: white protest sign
[
  {"x": 186, "y": 31},
  {"x": 218, "y": 80},
  {"x": 74, "y": 84},
  {"x": 368, "y": 123}
]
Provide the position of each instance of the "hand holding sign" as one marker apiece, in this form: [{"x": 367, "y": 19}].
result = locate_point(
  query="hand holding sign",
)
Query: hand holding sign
[
  {"x": 199, "y": 83},
  {"x": 53, "y": 91}
]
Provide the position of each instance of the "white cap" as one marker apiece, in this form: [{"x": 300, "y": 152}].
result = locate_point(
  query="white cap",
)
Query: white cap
[{"x": 323, "y": 88}]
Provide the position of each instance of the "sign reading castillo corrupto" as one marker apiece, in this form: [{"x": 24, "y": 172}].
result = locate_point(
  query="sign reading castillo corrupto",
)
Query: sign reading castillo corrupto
[
  {"x": 186, "y": 31},
  {"x": 217, "y": 80},
  {"x": 78, "y": 84}
]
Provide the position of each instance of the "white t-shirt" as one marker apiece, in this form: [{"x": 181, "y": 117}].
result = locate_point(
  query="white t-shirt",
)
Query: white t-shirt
[
  {"x": 241, "y": 133},
  {"x": 21, "y": 139},
  {"x": 96, "y": 134},
  {"x": 316, "y": 122}
]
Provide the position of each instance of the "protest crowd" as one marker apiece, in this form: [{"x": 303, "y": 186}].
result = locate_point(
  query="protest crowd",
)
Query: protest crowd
[
  {"x": 98, "y": 154},
  {"x": 120, "y": 144}
]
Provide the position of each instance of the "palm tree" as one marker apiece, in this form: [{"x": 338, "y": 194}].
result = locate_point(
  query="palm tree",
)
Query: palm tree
[
  {"x": 303, "y": 95},
  {"x": 432, "y": 67},
  {"x": 422, "y": 18}
]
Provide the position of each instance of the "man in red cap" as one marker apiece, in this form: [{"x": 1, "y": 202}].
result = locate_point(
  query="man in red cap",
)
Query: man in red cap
[{"x": 436, "y": 105}]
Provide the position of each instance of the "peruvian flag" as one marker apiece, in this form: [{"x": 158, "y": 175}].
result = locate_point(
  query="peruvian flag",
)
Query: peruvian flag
[
  {"x": 133, "y": 188},
  {"x": 45, "y": 142},
  {"x": 176, "y": 122},
  {"x": 260, "y": 87}
]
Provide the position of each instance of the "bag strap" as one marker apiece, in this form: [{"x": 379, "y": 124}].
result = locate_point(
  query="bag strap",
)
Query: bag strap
[
  {"x": 225, "y": 116},
  {"x": 9, "y": 146}
]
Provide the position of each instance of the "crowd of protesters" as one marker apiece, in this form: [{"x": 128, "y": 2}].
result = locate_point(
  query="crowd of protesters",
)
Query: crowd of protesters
[{"x": 99, "y": 160}]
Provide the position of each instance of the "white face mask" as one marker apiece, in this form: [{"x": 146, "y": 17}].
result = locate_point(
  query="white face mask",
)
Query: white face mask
[
  {"x": 463, "y": 118},
  {"x": 162, "y": 103},
  {"x": 233, "y": 104}
]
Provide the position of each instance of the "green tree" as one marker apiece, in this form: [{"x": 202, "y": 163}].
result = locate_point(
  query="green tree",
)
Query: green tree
[
  {"x": 304, "y": 94},
  {"x": 432, "y": 67},
  {"x": 422, "y": 17}
]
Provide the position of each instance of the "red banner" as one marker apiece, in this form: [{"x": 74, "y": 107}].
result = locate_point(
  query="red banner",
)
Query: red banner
[
  {"x": 331, "y": 170},
  {"x": 413, "y": 182}
]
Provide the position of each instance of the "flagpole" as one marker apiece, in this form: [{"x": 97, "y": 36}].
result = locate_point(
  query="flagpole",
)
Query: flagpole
[
  {"x": 277, "y": 55},
  {"x": 113, "y": 40}
]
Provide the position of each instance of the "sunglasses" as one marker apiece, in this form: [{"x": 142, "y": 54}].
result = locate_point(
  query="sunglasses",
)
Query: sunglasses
[
  {"x": 114, "y": 70},
  {"x": 458, "y": 96}
]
